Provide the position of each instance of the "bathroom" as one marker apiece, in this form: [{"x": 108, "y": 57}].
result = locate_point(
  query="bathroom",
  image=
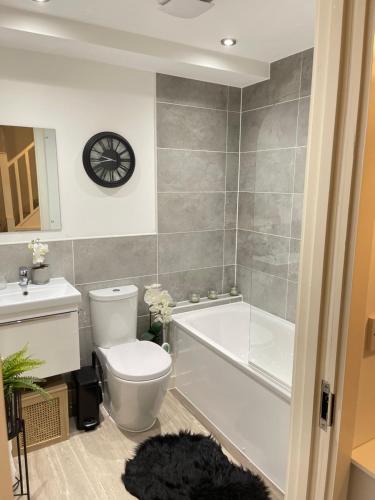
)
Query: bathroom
[{"x": 174, "y": 280}]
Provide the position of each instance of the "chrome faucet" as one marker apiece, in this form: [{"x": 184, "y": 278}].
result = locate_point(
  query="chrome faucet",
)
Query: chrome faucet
[{"x": 24, "y": 279}]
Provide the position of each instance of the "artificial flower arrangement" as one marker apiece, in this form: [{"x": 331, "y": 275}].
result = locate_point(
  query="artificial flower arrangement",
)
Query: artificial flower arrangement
[
  {"x": 40, "y": 270},
  {"x": 40, "y": 251},
  {"x": 160, "y": 303}
]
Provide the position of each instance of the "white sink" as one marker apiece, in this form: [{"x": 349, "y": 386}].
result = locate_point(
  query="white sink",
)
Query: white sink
[{"x": 57, "y": 293}]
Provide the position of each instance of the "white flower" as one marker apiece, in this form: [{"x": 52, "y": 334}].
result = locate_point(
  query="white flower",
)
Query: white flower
[
  {"x": 159, "y": 302},
  {"x": 39, "y": 251}
]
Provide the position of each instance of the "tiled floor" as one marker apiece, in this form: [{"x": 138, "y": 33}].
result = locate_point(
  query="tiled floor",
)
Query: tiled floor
[{"x": 89, "y": 465}]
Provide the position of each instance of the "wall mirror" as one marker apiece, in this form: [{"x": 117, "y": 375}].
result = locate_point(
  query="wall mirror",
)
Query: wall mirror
[{"x": 29, "y": 184}]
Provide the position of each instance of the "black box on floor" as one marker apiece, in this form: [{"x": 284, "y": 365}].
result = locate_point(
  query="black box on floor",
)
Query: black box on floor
[{"x": 88, "y": 398}]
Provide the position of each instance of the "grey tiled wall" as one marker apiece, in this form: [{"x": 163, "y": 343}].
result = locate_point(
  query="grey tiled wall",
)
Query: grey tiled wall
[
  {"x": 273, "y": 154},
  {"x": 198, "y": 132},
  {"x": 91, "y": 264}
]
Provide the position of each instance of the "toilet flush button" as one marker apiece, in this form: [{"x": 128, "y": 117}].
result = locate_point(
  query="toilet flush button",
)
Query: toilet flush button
[{"x": 116, "y": 290}]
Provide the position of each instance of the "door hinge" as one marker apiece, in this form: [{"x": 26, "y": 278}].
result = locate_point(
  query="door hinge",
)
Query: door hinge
[{"x": 327, "y": 406}]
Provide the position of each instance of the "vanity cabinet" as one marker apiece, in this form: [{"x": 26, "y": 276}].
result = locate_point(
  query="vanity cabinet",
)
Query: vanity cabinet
[{"x": 53, "y": 337}]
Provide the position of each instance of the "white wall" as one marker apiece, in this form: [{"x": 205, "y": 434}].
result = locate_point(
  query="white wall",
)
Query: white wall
[{"x": 79, "y": 99}]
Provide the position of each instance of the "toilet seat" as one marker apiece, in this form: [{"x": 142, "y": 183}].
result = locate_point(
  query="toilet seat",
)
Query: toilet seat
[{"x": 138, "y": 361}]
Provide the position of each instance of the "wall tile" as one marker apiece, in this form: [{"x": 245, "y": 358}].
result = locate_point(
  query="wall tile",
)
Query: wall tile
[
  {"x": 291, "y": 302},
  {"x": 59, "y": 258},
  {"x": 246, "y": 211},
  {"x": 263, "y": 252},
  {"x": 285, "y": 78},
  {"x": 244, "y": 282},
  {"x": 140, "y": 282},
  {"x": 86, "y": 346},
  {"x": 297, "y": 215},
  {"x": 256, "y": 96},
  {"x": 303, "y": 121},
  {"x": 283, "y": 84},
  {"x": 185, "y": 251},
  {"x": 229, "y": 278},
  {"x": 232, "y": 172},
  {"x": 143, "y": 324},
  {"x": 189, "y": 92},
  {"x": 231, "y": 211},
  {"x": 234, "y": 123},
  {"x": 102, "y": 259},
  {"x": 181, "y": 284},
  {"x": 294, "y": 260},
  {"x": 273, "y": 127},
  {"x": 183, "y": 127},
  {"x": 181, "y": 171},
  {"x": 300, "y": 168},
  {"x": 307, "y": 67},
  {"x": 269, "y": 293},
  {"x": 230, "y": 247},
  {"x": 272, "y": 213},
  {"x": 234, "y": 103},
  {"x": 190, "y": 212},
  {"x": 267, "y": 171}
]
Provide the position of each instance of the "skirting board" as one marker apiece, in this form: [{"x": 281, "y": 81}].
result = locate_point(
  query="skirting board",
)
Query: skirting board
[{"x": 227, "y": 443}]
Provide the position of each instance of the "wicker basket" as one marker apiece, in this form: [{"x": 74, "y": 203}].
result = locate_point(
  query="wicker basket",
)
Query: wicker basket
[{"x": 46, "y": 421}]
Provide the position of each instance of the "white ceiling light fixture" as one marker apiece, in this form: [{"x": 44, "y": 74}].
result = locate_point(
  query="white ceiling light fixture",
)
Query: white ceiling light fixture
[
  {"x": 228, "y": 42},
  {"x": 40, "y": 1},
  {"x": 187, "y": 9}
]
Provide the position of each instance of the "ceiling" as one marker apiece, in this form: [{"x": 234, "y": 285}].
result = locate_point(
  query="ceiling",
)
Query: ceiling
[{"x": 267, "y": 30}]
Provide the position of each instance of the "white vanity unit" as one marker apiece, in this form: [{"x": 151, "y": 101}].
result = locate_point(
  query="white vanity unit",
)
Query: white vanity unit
[{"x": 46, "y": 320}]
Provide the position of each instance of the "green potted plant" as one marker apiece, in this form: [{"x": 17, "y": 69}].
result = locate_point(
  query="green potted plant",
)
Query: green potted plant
[{"x": 15, "y": 381}]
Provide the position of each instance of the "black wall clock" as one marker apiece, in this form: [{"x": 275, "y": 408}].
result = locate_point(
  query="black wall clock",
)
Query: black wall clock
[{"x": 108, "y": 159}]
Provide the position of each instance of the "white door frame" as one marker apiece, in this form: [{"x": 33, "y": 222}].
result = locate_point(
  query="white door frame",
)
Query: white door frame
[{"x": 334, "y": 155}]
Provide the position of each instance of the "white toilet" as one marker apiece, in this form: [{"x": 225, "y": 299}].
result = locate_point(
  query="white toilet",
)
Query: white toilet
[{"x": 136, "y": 374}]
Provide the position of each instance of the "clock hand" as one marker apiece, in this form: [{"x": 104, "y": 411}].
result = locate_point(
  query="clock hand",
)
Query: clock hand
[{"x": 108, "y": 159}]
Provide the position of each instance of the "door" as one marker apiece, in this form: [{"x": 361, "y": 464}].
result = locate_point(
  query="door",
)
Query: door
[{"x": 335, "y": 156}]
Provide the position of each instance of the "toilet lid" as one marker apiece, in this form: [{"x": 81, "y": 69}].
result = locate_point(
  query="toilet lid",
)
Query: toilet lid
[{"x": 138, "y": 361}]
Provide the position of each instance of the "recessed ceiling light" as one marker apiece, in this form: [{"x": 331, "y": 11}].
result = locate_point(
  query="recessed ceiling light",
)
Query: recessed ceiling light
[
  {"x": 41, "y": 1},
  {"x": 228, "y": 42}
]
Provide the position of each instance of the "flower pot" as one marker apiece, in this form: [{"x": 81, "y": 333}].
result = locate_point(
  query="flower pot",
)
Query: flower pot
[{"x": 40, "y": 275}]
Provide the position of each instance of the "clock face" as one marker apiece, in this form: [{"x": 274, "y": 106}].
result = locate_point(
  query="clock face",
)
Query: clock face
[{"x": 109, "y": 159}]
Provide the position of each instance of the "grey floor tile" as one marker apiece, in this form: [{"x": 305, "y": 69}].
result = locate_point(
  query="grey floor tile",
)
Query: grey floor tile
[
  {"x": 102, "y": 259},
  {"x": 185, "y": 251},
  {"x": 188, "y": 171},
  {"x": 190, "y": 212},
  {"x": 273, "y": 127},
  {"x": 189, "y": 92},
  {"x": 183, "y": 127}
]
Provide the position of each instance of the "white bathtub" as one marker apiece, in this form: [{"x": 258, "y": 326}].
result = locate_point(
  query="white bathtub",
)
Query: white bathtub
[{"x": 234, "y": 364}]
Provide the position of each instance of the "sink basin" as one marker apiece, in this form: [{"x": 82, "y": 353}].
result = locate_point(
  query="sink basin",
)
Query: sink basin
[{"x": 57, "y": 293}]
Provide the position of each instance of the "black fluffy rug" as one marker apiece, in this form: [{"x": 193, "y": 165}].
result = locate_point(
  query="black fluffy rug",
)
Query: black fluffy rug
[{"x": 188, "y": 467}]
